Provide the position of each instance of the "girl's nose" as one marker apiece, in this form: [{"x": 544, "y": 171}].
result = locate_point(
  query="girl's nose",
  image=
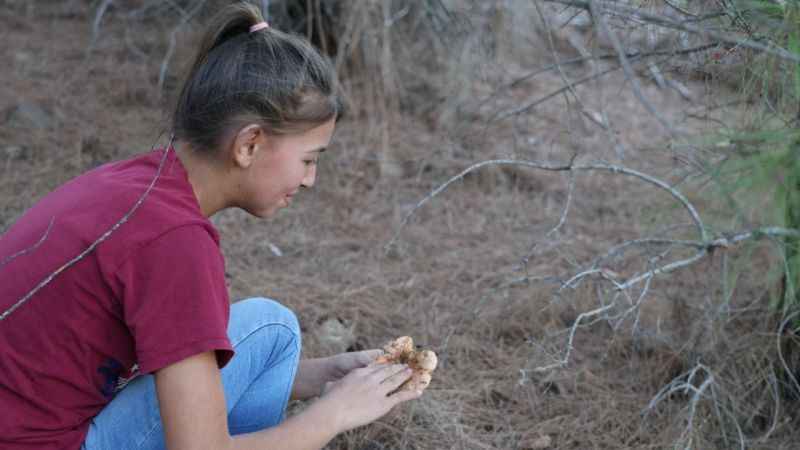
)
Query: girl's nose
[{"x": 310, "y": 176}]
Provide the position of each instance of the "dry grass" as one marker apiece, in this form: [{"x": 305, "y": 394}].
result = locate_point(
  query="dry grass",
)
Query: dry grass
[{"x": 452, "y": 279}]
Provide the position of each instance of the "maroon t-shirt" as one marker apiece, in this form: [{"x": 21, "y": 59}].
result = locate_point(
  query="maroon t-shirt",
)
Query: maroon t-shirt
[{"x": 150, "y": 295}]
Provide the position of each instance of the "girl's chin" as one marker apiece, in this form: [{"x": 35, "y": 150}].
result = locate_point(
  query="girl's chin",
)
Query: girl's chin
[{"x": 265, "y": 213}]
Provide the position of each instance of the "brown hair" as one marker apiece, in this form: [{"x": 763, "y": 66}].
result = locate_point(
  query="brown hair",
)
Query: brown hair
[{"x": 267, "y": 77}]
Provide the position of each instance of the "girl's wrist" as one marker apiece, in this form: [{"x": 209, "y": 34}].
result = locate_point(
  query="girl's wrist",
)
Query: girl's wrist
[
  {"x": 333, "y": 368},
  {"x": 328, "y": 370},
  {"x": 326, "y": 414}
]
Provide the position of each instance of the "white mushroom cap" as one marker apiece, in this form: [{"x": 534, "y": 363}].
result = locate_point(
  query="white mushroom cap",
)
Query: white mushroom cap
[
  {"x": 427, "y": 360},
  {"x": 400, "y": 346},
  {"x": 423, "y": 380}
]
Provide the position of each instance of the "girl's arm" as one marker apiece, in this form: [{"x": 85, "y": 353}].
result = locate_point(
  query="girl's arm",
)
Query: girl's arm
[
  {"x": 314, "y": 374},
  {"x": 193, "y": 411}
]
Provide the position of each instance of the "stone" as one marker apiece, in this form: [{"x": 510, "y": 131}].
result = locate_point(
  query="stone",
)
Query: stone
[
  {"x": 30, "y": 115},
  {"x": 539, "y": 442},
  {"x": 335, "y": 336},
  {"x": 14, "y": 152}
]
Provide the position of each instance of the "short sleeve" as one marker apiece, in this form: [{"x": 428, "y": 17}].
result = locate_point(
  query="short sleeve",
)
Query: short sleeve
[{"x": 174, "y": 299}]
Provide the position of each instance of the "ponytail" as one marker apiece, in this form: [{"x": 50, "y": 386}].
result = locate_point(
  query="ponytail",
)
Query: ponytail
[{"x": 265, "y": 76}]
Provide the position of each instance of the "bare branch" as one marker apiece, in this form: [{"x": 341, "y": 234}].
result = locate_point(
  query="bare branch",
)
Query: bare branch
[
  {"x": 173, "y": 37},
  {"x": 565, "y": 360},
  {"x": 685, "y": 384},
  {"x": 579, "y": 276},
  {"x": 98, "y": 17},
  {"x": 668, "y": 22},
  {"x": 704, "y": 249},
  {"x": 786, "y": 367},
  {"x": 561, "y": 220},
  {"x": 94, "y": 244},
  {"x": 559, "y": 168},
  {"x": 617, "y": 249},
  {"x": 539, "y": 101},
  {"x": 635, "y": 306},
  {"x": 664, "y": 269},
  {"x": 31, "y": 248},
  {"x": 679, "y": 9},
  {"x": 631, "y": 57},
  {"x": 597, "y": 15}
]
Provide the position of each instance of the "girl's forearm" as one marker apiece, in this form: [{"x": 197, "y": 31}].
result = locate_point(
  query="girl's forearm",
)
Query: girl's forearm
[
  {"x": 309, "y": 430},
  {"x": 312, "y": 374}
]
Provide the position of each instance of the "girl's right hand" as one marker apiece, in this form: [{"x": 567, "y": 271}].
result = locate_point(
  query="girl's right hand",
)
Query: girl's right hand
[{"x": 362, "y": 395}]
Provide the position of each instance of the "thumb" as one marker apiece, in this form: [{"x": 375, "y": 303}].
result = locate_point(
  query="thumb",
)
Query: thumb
[{"x": 368, "y": 356}]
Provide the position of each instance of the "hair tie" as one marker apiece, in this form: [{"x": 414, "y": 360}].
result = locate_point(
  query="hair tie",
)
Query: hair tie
[{"x": 259, "y": 26}]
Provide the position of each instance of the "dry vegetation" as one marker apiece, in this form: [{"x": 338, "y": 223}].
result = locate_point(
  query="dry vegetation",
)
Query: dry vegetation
[{"x": 484, "y": 272}]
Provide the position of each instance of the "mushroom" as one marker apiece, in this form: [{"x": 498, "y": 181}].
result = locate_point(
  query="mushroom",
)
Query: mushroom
[{"x": 422, "y": 363}]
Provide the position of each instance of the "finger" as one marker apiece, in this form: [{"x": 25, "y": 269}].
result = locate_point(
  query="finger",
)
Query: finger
[
  {"x": 367, "y": 356},
  {"x": 363, "y": 371},
  {"x": 385, "y": 371},
  {"x": 404, "y": 396},
  {"x": 381, "y": 360},
  {"x": 394, "y": 380}
]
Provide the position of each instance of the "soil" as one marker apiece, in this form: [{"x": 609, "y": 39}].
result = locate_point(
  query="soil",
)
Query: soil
[{"x": 478, "y": 272}]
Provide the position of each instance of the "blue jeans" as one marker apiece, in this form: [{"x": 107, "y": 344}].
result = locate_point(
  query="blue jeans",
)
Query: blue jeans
[{"x": 257, "y": 382}]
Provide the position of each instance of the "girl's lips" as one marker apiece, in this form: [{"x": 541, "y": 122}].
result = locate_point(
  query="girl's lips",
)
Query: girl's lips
[{"x": 288, "y": 198}]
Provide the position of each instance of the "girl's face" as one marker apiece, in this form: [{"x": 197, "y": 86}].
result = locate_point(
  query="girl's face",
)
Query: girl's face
[{"x": 281, "y": 165}]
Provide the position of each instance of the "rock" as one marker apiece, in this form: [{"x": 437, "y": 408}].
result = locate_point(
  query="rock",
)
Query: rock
[
  {"x": 334, "y": 336},
  {"x": 275, "y": 249},
  {"x": 29, "y": 115},
  {"x": 539, "y": 442},
  {"x": 14, "y": 152},
  {"x": 22, "y": 57}
]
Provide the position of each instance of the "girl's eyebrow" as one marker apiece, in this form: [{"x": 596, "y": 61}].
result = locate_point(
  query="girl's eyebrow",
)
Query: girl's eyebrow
[{"x": 320, "y": 150}]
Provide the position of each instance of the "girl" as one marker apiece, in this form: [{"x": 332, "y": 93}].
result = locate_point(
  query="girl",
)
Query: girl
[{"x": 130, "y": 345}]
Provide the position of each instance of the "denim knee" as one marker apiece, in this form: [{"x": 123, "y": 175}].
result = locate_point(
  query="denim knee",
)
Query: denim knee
[{"x": 252, "y": 314}]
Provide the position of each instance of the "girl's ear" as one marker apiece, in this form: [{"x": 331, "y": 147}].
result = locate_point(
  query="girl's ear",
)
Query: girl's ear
[{"x": 248, "y": 141}]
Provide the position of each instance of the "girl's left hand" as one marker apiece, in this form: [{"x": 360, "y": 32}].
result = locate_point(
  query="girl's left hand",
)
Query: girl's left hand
[
  {"x": 344, "y": 363},
  {"x": 313, "y": 375}
]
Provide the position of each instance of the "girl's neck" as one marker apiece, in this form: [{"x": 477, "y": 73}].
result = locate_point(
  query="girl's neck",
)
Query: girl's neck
[{"x": 207, "y": 178}]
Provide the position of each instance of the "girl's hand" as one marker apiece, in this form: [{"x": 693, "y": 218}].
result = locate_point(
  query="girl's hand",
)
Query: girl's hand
[
  {"x": 362, "y": 395},
  {"x": 344, "y": 363},
  {"x": 313, "y": 374}
]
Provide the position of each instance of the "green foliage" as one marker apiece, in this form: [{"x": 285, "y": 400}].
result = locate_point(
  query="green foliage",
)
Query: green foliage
[
  {"x": 757, "y": 169},
  {"x": 794, "y": 47},
  {"x": 775, "y": 23},
  {"x": 759, "y": 180},
  {"x": 761, "y": 10}
]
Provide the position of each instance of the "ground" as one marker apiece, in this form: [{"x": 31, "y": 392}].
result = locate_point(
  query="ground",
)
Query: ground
[{"x": 452, "y": 278}]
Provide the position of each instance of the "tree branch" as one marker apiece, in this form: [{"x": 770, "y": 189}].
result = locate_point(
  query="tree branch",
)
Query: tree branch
[
  {"x": 31, "y": 248},
  {"x": 600, "y": 21},
  {"x": 560, "y": 168},
  {"x": 94, "y": 244},
  {"x": 667, "y": 22}
]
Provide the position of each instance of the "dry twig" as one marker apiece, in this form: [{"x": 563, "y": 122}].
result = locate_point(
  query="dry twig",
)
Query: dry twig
[
  {"x": 668, "y": 22},
  {"x": 29, "y": 249},
  {"x": 94, "y": 244}
]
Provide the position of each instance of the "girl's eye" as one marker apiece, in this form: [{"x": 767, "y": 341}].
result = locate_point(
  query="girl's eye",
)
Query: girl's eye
[{"x": 310, "y": 162}]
